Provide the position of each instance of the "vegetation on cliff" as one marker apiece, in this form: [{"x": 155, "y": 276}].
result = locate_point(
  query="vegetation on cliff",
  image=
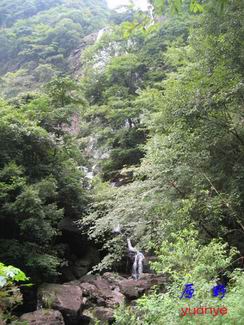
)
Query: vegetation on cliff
[{"x": 37, "y": 38}]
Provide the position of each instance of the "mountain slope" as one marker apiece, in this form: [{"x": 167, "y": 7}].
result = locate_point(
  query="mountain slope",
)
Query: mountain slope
[{"x": 38, "y": 36}]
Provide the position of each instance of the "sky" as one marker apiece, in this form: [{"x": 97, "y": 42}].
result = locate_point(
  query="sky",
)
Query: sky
[{"x": 143, "y": 4}]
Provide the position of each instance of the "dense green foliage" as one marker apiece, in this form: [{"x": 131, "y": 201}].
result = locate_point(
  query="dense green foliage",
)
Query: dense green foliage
[
  {"x": 192, "y": 171},
  {"x": 188, "y": 261},
  {"x": 120, "y": 74},
  {"x": 39, "y": 178},
  {"x": 190, "y": 106},
  {"x": 194, "y": 6},
  {"x": 38, "y": 36}
]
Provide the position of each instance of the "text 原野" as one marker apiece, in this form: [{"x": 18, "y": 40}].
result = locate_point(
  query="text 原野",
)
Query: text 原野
[{"x": 217, "y": 291}]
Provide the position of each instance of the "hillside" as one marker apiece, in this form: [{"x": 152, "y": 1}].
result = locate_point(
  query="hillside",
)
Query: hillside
[{"x": 37, "y": 37}]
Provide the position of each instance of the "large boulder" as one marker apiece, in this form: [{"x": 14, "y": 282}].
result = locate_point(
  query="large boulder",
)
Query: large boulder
[
  {"x": 100, "y": 299},
  {"x": 98, "y": 290},
  {"x": 43, "y": 317},
  {"x": 67, "y": 298}
]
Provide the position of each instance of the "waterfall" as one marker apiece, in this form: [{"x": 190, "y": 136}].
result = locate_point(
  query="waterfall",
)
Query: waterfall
[
  {"x": 88, "y": 173},
  {"x": 100, "y": 34}
]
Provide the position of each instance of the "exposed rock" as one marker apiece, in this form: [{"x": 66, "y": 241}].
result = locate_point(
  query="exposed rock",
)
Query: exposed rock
[
  {"x": 43, "y": 317},
  {"x": 103, "y": 314},
  {"x": 65, "y": 298},
  {"x": 67, "y": 273},
  {"x": 134, "y": 289},
  {"x": 74, "y": 60},
  {"x": 105, "y": 293},
  {"x": 74, "y": 127},
  {"x": 99, "y": 291},
  {"x": 95, "y": 297},
  {"x": 113, "y": 278}
]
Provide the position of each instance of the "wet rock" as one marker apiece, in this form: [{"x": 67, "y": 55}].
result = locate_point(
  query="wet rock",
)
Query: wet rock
[
  {"x": 113, "y": 278},
  {"x": 133, "y": 289},
  {"x": 43, "y": 317}
]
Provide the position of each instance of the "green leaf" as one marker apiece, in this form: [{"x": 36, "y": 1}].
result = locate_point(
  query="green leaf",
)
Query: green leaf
[{"x": 196, "y": 7}]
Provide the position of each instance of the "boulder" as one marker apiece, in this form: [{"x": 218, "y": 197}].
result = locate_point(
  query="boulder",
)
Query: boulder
[
  {"x": 99, "y": 291},
  {"x": 102, "y": 314},
  {"x": 133, "y": 289},
  {"x": 104, "y": 293},
  {"x": 67, "y": 298},
  {"x": 43, "y": 317}
]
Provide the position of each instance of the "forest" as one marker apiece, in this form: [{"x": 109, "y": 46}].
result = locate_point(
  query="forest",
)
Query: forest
[{"x": 121, "y": 162}]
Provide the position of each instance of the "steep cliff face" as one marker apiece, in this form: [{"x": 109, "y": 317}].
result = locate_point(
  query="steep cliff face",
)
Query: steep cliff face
[
  {"x": 37, "y": 37},
  {"x": 74, "y": 60}
]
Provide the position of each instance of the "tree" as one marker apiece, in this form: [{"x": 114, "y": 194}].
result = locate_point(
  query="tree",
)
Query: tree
[
  {"x": 37, "y": 33},
  {"x": 194, "y": 5},
  {"x": 192, "y": 169},
  {"x": 40, "y": 181}
]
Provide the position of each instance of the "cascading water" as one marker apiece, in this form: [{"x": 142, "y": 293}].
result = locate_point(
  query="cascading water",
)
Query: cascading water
[{"x": 100, "y": 34}]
